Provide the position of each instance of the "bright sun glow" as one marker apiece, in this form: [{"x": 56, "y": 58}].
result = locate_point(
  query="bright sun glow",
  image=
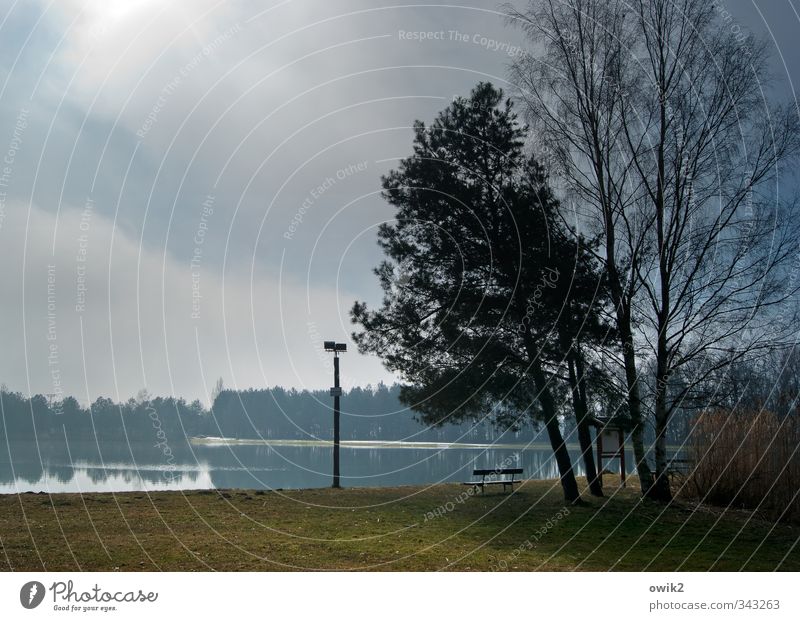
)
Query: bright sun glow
[{"x": 105, "y": 14}]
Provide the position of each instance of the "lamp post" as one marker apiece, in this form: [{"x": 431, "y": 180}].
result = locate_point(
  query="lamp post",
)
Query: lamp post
[{"x": 336, "y": 393}]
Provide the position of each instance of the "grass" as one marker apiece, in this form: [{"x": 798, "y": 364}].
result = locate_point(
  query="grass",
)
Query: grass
[{"x": 402, "y": 528}]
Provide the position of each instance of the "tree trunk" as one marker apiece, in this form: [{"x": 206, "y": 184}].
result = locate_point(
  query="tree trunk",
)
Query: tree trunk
[
  {"x": 580, "y": 405},
  {"x": 661, "y": 489},
  {"x": 634, "y": 403},
  {"x": 563, "y": 460},
  {"x": 622, "y": 303}
]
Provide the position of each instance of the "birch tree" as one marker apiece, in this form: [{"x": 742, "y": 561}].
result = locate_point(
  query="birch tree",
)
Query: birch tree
[{"x": 654, "y": 114}]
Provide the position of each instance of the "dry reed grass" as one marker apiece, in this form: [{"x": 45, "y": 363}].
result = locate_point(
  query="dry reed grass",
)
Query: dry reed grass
[{"x": 747, "y": 460}]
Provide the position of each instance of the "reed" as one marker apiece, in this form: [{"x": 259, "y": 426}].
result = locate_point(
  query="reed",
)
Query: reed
[{"x": 747, "y": 460}]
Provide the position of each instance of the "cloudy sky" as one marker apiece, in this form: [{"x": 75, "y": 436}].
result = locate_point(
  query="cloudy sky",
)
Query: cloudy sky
[{"x": 190, "y": 189}]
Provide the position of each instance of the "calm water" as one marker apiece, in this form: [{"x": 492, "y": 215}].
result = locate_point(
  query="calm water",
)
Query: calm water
[{"x": 85, "y": 468}]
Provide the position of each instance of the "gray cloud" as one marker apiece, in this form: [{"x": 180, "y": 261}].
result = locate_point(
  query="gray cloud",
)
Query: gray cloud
[{"x": 287, "y": 116}]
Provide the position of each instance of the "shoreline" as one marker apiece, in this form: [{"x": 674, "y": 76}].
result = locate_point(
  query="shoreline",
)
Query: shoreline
[
  {"x": 212, "y": 441},
  {"x": 537, "y": 446}
]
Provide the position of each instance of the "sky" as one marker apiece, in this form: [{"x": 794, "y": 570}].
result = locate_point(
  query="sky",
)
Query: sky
[{"x": 190, "y": 189}]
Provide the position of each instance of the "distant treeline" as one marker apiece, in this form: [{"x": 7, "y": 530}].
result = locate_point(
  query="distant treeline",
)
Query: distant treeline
[
  {"x": 367, "y": 414},
  {"x": 277, "y": 413},
  {"x": 141, "y": 419}
]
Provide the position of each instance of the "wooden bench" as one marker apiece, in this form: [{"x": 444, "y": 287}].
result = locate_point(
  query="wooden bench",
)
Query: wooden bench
[
  {"x": 504, "y": 472},
  {"x": 679, "y": 467}
]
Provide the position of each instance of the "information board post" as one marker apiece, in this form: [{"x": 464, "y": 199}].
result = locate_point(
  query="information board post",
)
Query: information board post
[{"x": 610, "y": 445}]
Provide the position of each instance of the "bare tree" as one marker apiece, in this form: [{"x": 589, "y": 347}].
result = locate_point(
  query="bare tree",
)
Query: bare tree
[
  {"x": 654, "y": 113},
  {"x": 219, "y": 386}
]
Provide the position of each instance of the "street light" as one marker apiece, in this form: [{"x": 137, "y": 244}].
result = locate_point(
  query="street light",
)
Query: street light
[{"x": 336, "y": 392}]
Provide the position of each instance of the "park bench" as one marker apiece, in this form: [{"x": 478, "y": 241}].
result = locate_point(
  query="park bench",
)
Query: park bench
[
  {"x": 679, "y": 467},
  {"x": 500, "y": 472}
]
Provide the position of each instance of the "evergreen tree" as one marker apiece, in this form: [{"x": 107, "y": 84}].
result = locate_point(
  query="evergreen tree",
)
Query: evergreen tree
[{"x": 477, "y": 281}]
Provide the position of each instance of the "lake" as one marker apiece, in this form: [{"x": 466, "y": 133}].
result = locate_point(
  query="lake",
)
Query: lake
[{"x": 115, "y": 467}]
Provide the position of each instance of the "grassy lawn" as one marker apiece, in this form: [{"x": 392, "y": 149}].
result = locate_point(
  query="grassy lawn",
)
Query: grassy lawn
[{"x": 403, "y": 528}]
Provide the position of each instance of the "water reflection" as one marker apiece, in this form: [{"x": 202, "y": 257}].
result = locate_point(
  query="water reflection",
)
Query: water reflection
[{"x": 26, "y": 467}]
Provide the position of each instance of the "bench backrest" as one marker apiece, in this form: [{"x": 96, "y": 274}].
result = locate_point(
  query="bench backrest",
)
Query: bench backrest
[{"x": 486, "y": 473}]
